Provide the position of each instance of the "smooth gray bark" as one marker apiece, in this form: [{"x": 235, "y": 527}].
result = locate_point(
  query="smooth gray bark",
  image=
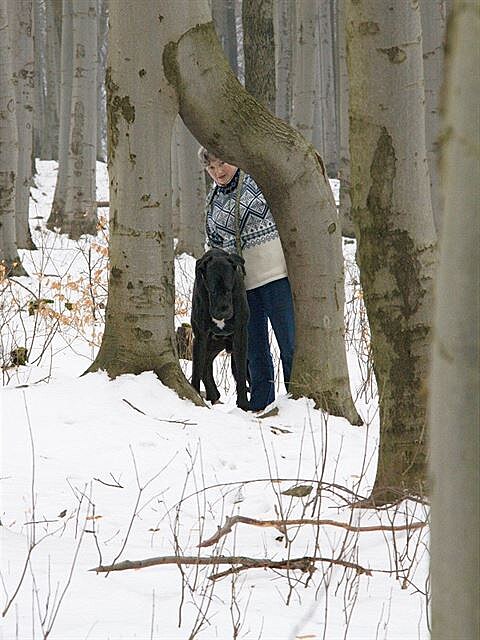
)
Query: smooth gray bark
[
  {"x": 66, "y": 72},
  {"x": 52, "y": 80},
  {"x": 10, "y": 264},
  {"x": 293, "y": 180},
  {"x": 139, "y": 329},
  {"x": 189, "y": 195},
  {"x": 343, "y": 124},
  {"x": 396, "y": 238},
  {"x": 101, "y": 93},
  {"x": 21, "y": 34},
  {"x": 80, "y": 214},
  {"x": 455, "y": 379},
  {"x": 304, "y": 67},
  {"x": 433, "y": 38},
  {"x": 325, "y": 121},
  {"x": 40, "y": 129}
]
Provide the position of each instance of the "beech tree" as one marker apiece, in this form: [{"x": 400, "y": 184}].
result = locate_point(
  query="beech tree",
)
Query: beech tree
[
  {"x": 343, "y": 126},
  {"x": 80, "y": 215},
  {"x": 259, "y": 50},
  {"x": 188, "y": 197},
  {"x": 304, "y": 85},
  {"x": 20, "y": 31},
  {"x": 53, "y": 18},
  {"x": 455, "y": 377},
  {"x": 66, "y": 79},
  {"x": 284, "y": 26},
  {"x": 324, "y": 117},
  {"x": 74, "y": 210},
  {"x": 392, "y": 212},
  {"x": 9, "y": 258},
  {"x": 224, "y": 19},
  {"x": 232, "y": 124},
  {"x": 433, "y": 38},
  {"x": 141, "y": 107}
]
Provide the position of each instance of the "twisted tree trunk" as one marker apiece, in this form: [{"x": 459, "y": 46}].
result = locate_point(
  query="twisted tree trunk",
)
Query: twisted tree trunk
[{"x": 232, "y": 124}]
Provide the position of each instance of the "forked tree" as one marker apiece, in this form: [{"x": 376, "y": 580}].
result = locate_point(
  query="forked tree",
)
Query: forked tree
[
  {"x": 232, "y": 124},
  {"x": 391, "y": 206},
  {"x": 189, "y": 74}
]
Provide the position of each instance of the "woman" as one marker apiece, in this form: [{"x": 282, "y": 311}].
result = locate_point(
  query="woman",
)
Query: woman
[{"x": 249, "y": 228}]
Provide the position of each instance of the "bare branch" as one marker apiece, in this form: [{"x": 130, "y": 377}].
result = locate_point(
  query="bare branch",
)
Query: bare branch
[
  {"x": 305, "y": 564},
  {"x": 281, "y": 524}
]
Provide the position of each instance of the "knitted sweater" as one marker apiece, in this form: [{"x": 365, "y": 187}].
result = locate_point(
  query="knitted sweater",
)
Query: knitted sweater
[{"x": 261, "y": 246}]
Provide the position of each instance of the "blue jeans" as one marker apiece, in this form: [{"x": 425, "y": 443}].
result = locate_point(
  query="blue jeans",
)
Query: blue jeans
[{"x": 272, "y": 301}]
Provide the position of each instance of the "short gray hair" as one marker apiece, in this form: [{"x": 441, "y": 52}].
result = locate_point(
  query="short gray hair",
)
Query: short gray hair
[{"x": 205, "y": 156}]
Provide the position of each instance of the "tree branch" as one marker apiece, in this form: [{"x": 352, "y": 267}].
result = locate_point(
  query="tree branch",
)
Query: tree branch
[
  {"x": 305, "y": 564},
  {"x": 281, "y": 524}
]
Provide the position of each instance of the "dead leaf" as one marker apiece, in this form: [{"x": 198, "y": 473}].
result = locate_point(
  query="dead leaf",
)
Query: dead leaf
[{"x": 300, "y": 491}]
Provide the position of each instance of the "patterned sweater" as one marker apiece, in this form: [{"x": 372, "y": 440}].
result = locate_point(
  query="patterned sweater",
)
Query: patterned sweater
[{"x": 261, "y": 247}]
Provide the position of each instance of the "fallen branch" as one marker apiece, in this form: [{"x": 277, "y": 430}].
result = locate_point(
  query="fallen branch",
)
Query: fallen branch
[
  {"x": 230, "y": 522},
  {"x": 306, "y": 564}
]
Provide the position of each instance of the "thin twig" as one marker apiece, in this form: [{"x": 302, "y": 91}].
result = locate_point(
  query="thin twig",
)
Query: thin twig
[{"x": 184, "y": 422}]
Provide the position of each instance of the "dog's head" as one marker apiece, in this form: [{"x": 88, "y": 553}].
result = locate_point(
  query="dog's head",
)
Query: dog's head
[{"x": 218, "y": 272}]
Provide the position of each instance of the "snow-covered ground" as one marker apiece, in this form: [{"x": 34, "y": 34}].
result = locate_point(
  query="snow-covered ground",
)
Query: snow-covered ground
[{"x": 97, "y": 471}]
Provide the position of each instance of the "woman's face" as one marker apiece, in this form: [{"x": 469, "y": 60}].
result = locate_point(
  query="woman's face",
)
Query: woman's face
[{"x": 221, "y": 172}]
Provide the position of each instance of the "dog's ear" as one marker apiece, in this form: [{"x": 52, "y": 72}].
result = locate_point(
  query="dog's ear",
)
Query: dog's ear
[
  {"x": 237, "y": 261},
  {"x": 201, "y": 264}
]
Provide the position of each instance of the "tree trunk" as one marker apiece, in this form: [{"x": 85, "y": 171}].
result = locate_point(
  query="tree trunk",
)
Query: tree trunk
[
  {"x": 139, "y": 329},
  {"x": 394, "y": 226},
  {"x": 223, "y": 12},
  {"x": 284, "y": 25},
  {"x": 21, "y": 34},
  {"x": 52, "y": 76},
  {"x": 190, "y": 195},
  {"x": 10, "y": 264},
  {"x": 66, "y": 72},
  {"x": 455, "y": 379},
  {"x": 259, "y": 50},
  {"x": 345, "y": 208},
  {"x": 80, "y": 215},
  {"x": 325, "y": 121},
  {"x": 293, "y": 180},
  {"x": 433, "y": 37},
  {"x": 39, "y": 126},
  {"x": 304, "y": 65},
  {"x": 102, "y": 38}
]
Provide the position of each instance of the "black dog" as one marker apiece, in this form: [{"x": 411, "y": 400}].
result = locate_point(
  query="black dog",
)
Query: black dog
[{"x": 219, "y": 321}]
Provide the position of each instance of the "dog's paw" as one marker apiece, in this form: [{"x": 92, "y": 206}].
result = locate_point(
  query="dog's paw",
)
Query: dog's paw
[{"x": 243, "y": 404}]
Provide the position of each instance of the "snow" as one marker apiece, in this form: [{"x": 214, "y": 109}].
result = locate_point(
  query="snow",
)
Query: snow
[{"x": 97, "y": 470}]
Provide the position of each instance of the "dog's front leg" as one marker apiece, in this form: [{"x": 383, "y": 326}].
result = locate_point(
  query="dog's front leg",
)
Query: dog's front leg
[
  {"x": 239, "y": 355},
  {"x": 211, "y": 390},
  {"x": 199, "y": 354}
]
